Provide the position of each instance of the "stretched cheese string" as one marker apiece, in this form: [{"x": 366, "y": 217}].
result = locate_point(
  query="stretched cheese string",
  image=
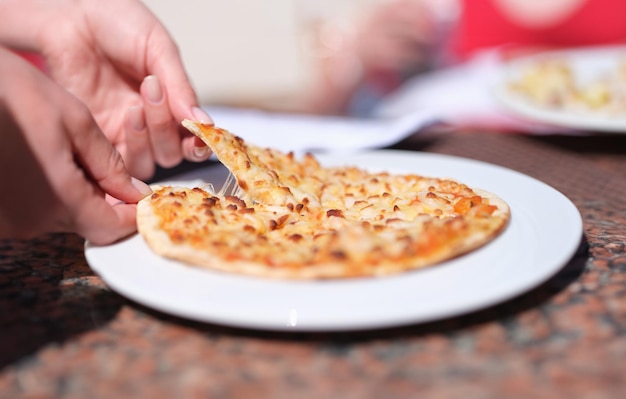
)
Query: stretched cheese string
[{"x": 230, "y": 187}]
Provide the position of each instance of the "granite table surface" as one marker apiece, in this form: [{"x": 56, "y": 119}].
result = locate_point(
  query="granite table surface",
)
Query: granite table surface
[{"x": 64, "y": 334}]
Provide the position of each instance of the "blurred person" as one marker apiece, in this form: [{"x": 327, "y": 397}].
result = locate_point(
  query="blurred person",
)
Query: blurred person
[
  {"x": 74, "y": 140},
  {"x": 386, "y": 42},
  {"x": 411, "y": 40}
]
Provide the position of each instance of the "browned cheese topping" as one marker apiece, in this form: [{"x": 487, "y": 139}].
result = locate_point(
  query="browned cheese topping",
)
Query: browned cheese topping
[{"x": 294, "y": 218}]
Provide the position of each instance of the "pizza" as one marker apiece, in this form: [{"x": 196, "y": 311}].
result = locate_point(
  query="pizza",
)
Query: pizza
[
  {"x": 554, "y": 84},
  {"x": 293, "y": 218}
]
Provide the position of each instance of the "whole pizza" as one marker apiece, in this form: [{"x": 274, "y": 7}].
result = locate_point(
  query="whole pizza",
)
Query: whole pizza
[{"x": 293, "y": 218}]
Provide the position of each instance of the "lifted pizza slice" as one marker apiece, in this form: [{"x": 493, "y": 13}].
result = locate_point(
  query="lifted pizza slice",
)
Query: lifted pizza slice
[{"x": 265, "y": 175}]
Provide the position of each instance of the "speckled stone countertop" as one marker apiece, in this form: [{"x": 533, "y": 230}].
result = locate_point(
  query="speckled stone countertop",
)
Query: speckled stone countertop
[{"x": 64, "y": 334}]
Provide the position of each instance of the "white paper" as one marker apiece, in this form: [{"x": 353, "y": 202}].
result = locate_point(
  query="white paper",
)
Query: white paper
[
  {"x": 300, "y": 133},
  {"x": 461, "y": 95}
]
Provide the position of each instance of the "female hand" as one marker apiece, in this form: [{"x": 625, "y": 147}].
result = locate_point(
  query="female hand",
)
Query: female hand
[
  {"x": 118, "y": 59},
  {"x": 56, "y": 166}
]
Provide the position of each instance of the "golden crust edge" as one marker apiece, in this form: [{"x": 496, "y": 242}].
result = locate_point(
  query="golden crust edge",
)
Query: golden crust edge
[{"x": 159, "y": 241}]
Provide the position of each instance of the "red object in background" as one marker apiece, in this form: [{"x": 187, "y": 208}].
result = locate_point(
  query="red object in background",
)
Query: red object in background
[
  {"x": 483, "y": 25},
  {"x": 35, "y": 59}
]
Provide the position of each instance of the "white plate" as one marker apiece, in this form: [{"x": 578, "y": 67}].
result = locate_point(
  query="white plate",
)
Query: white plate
[
  {"x": 544, "y": 233},
  {"x": 587, "y": 64}
]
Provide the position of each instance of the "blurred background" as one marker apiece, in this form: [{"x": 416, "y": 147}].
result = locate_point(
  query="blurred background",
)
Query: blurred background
[
  {"x": 259, "y": 54},
  {"x": 373, "y": 57},
  {"x": 246, "y": 53}
]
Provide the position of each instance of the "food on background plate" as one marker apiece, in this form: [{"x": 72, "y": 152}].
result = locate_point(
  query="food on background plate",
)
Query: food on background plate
[
  {"x": 553, "y": 83},
  {"x": 293, "y": 218}
]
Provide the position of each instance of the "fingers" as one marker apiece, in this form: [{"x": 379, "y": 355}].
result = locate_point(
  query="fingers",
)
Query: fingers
[
  {"x": 163, "y": 60},
  {"x": 93, "y": 217},
  {"x": 138, "y": 154},
  {"x": 164, "y": 137},
  {"x": 100, "y": 171},
  {"x": 65, "y": 169},
  {"x": 99, "y": 159},
  {"x": 156, "y": 135},
  {"x": 94, "y": 169},
  {"x": 194, "y": 149},
  {"x": 122, "y": 223}
]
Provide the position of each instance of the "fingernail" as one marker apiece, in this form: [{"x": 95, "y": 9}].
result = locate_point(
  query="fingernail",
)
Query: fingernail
[
  {"x": 142, "y": 187},
  {"x": 135, "y": 116},
  {"x": 201, "y": 152},
  {"x": 201, "y": 116},
  {"x": 153, "y": 89}
]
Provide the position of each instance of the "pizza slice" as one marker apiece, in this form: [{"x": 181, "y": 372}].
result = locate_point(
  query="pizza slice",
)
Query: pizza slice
[{"x": 263, "y": 174}]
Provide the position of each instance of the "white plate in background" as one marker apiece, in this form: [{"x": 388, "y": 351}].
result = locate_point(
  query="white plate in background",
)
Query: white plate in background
[{"x": 587, "y": 64}]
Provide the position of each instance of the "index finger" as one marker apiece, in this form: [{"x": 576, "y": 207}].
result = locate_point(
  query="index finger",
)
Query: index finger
[{"x": 163, "y": 60}]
